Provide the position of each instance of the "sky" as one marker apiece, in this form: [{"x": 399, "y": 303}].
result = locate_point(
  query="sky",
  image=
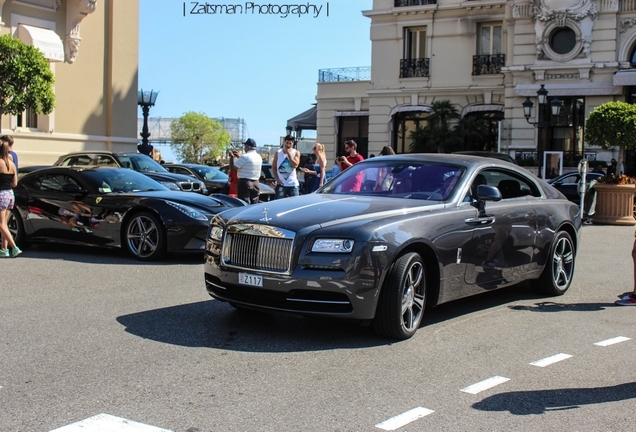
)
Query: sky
[{"x": 253, "y": 65}]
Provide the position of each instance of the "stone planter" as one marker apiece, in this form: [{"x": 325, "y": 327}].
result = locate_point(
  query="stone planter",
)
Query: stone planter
[{"x": 614, "y": 204}]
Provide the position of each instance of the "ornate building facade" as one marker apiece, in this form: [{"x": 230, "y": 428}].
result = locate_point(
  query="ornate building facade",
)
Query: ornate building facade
[
  {"x": 486, "y": 57},
  {"x": 92, "y": 48}
]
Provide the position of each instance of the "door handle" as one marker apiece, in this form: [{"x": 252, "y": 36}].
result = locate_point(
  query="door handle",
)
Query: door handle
[{"x": 482, "y": 220}]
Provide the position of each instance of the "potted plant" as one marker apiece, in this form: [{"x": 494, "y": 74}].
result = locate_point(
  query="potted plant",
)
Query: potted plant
[{"x": 613, "y": 124}]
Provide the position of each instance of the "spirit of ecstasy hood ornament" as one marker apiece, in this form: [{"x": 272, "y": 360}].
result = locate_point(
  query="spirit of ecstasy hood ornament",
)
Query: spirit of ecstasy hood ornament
[{"x": 265, "y": 218}]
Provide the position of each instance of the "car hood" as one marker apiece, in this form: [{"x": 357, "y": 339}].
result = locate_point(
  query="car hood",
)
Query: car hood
[
  {"x": 168, "y": 176},
  {"x": 326, "y": 209},
  {"x": 192, "y": 199}
]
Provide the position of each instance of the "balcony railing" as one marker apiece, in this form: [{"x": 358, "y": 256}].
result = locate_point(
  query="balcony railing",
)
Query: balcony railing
[
  {"x": 570, "y": 158},
  {"x": 345, "y": 74},
  {"x": 488, "y": 64},
  {"x": 400, "y": 3},
  {"x": 413, "y": 68}
]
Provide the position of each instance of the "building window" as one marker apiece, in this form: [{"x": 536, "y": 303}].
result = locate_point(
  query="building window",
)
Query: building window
[
  {"x": 414, "y": 62},
  {"x": 28, "y": 119},
  {"x": 490, "y": 39},
  {"x": 563, "y": 40},
  {"x": 404, "y": 124},
  {"x": 354, "y": 128}
]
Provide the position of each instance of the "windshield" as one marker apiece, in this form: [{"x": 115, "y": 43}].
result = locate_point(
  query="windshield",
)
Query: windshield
[
  {"x": 140, "y": 163},
  {"x": 209, "y": 173},
  {"x": 116, "y": 180},
  {"x": 387, "y": 176}
]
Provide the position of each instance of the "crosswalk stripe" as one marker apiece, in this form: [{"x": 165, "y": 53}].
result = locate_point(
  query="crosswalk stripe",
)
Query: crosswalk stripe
[
  {"x": 485, "y": 385},
  {"x": 403, "y": 419},
  {"x": 612, "y": 341},
  {"x": 108, "y": 423}
]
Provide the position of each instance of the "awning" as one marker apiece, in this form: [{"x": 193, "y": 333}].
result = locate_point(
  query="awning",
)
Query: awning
[
  {"x": 625, "y": 78},
  {"x": 304, "y": 120},
  {"x": 47, "y": 41},
  {"x": 573, "y": 89},
  {"x": 407, "y": 108},
  {"x": 482, "y": 108}
]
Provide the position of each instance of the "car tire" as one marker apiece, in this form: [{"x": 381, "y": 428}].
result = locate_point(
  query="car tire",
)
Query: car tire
[
  {"x": 16, "y": 228},
  {"x": 559, "y": 269},
  {"x": 402, "y": 299},
  {"x": 144, "y": 237}
]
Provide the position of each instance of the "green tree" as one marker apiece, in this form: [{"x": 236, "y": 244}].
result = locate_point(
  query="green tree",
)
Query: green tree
[
  {"x": 197, "y": 138},
  {"x": 26, "y": 80},
  {"x": 612, "y": 124},
  {"x": 445, "y": 130}
]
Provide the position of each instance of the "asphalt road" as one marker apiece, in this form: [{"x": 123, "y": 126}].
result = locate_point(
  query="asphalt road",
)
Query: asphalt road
[{"x": 85, "y": 332}]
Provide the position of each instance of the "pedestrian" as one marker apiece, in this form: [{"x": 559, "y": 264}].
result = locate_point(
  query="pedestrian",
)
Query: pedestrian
[
  {"x": 248, "y": 170},
  {"x": 285, "y": 162},
  {"x": 352, "y": 157},
  {"x": 611, "y": 169},
  {"x": 14, "y": 157},
  {"x": 321, "y": 161},
  {"x": 8, "y": 180},
  {"x": 312, "y": 173},
  {"x": 630, "y": 299},
  {"x": 336, "y": 168},
  {"x": 232, "y": 176}
]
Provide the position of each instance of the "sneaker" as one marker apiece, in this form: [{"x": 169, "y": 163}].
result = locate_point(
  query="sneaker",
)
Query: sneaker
[
  {"x": 627, "y": 301},
  {"x": 4, "y": 253},
  {"x": 15, "y": 252}
]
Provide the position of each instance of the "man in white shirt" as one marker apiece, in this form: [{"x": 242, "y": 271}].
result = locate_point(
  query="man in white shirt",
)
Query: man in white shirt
[
  {"x": 285, "y": 162},
  {"x": 248, "y": 168}
]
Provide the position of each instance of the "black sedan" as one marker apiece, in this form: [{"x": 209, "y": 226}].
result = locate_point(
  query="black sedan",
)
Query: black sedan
[
  {"x": 436, "y": 228},
  {"x": 215, "y": 180},
  {"x": 111, "y": 207},
  {"x": 568, "y": 184}
]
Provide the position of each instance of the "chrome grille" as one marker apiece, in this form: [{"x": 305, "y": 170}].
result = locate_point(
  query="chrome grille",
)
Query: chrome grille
[
  {"x": 189, "y": 186},
  {"x": 256, "y": 252}
]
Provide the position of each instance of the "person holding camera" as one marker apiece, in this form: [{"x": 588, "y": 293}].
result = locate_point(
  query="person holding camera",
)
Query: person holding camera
[
  {"x": 352, "y": 157},
  {"x": 248, "y": 169},
  {"x": 285, "y": 162}
]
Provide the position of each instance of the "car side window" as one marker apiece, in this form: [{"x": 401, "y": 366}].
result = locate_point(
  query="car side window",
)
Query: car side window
[
  {"x": 53, "y": 182},
  {"x": 103, "y": 160},
  {"x": 509, "y": 184}
]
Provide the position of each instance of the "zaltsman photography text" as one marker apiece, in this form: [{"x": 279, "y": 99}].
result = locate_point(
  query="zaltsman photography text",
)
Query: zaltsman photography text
[{"x": 312, "y": 10}]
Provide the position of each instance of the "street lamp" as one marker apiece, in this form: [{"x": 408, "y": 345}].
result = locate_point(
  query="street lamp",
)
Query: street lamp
[
  {"x": 145, "y": 99},
  {"x": 545, "y": 118},
  {"x": 289, "y": 129}
]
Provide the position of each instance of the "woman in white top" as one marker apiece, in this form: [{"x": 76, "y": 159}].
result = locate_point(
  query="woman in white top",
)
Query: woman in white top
[{"x": 321, "y": 161}]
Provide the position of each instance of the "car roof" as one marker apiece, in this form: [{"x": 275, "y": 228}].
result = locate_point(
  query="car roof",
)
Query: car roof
[{"x": 495, "y": 155}]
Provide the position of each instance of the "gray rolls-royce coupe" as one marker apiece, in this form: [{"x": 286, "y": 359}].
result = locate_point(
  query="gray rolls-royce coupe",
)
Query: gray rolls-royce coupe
[{"x": 433, "y": 228}]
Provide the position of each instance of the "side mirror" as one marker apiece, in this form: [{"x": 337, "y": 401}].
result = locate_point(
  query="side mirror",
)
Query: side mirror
[
  {"x": 73, "y": 188},
  {"x": 488, "y": 193}
]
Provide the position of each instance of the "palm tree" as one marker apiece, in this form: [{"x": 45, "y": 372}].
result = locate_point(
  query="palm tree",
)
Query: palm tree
[{"x": 446, "y": 130}]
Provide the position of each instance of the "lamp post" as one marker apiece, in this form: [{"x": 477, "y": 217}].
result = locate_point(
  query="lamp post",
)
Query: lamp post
[
  {"x": 288, "y": 129},
  {"x": 145, "y": 99},
  {"x": 545, "y": 118}
]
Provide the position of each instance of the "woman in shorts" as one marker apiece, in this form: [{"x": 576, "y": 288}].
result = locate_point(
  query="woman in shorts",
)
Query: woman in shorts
[{"x": 8, "y": 180}]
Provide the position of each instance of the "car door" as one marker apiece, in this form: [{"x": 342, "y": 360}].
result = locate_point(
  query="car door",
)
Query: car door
[
  {"x": 569, "y": 186},
  {"x": 502, "y": 247},
  {"x": 54, "y": 211}
]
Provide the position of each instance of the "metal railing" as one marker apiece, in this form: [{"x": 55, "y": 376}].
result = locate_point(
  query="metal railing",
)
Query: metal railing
[
  {"x": 400, "y": 3},
  {"x": 345, "y": 74},
  {"x": 488, "y": 64},
  {"x": 413, "y": 68},
  {"x": 570, "y": 158}
]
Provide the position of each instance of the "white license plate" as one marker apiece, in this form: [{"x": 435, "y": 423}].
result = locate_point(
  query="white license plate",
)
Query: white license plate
[{"x": 250, "y": 279}]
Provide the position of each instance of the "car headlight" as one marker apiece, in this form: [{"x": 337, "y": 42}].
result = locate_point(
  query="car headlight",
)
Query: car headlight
[
  {"x": 171, "y": 185},
  {"x": 189, "y": 211},
  {"x": 216, "y": 233},
  {"x": 333, "y": 245}
]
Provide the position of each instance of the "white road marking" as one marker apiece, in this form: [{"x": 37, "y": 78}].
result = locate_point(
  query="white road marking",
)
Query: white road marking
[
  {"x": 485, "y": 385},
  {"x": 405, "y": 418},
  {"x": 108, "y": 423},
  {"x": 550, "y": 360},
  {"x": 612, "y": 341}
]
